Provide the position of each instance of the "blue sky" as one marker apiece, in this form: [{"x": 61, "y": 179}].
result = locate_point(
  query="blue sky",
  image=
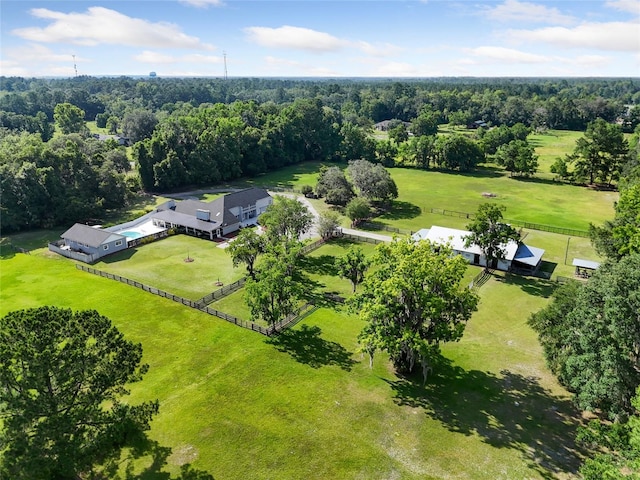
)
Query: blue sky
[{"x": 312, "y": 38}]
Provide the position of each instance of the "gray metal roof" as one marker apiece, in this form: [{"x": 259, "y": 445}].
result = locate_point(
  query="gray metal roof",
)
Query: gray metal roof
[
  {"x": 218, "y": 208},
  {"x": 588, "y": 264},
  {"x": 93, "y": 237},
  {"x": 186, "y": 220}
]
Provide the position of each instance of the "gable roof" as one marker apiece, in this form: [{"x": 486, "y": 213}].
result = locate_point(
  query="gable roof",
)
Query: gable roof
[
  {"x": 528, "y": 255},
  {"x": 220, "y": 207},
  {"x": 456, "y": 239},
  {"x": 186, "y": 220},
  {"x": 92, "y": 237}
]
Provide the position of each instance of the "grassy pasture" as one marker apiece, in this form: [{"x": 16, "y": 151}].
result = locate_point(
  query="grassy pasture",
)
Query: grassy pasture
[
  {"x": 306, "y": 405},
  {"x": 162, "y": 264}
]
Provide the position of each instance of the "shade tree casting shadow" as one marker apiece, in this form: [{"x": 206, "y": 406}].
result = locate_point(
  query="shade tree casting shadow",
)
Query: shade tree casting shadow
[
  {"x": 401, "y": 210},
  {"x": 320, "y": 265},
  {"x": 531, "y": 286},
  {"x": 141, "y": 448},
  {"x": 506, "y": 411},
  {"x": 305, "y": 345}
]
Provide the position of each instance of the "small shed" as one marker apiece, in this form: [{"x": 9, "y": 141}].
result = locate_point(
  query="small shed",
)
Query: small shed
[{"x": 585, "y": 268}]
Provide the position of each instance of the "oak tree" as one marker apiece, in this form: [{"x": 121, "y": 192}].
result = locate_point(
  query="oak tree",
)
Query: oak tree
[
  {"x": 412, "y": 301},
  {"x": 491, "y": 234}
]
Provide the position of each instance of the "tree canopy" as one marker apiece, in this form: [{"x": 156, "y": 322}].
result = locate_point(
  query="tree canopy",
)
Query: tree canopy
[
  {"x": 286, "y": 219},
  {"x": 591, "y": 337},
  {"x": 372, "y": 181},
  {"x": 599, "y": 154},
  {"x": 353, "y": 265},
  {"x": 62, "y": 378},
  {"x": 245, "y": 248},
  {"x": 490, "y": 233},
  {"x": 334, "y": 186},
  {"x": 412, "y": 300}
]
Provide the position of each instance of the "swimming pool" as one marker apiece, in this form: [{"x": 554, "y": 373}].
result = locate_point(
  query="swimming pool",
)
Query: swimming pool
[{"x": 131, "y": 234}]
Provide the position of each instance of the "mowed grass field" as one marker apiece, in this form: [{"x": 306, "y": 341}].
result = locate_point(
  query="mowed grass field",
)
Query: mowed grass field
[
  {"x": 306, "y": 405},
  {"x": 162, "y": 264}
]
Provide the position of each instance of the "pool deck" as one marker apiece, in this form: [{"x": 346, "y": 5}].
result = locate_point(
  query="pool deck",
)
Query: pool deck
[{"x": 144, "y": 229}]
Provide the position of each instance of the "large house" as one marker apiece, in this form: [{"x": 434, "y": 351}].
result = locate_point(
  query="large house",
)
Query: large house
[
  {"x": 215, "y": 219},
  {"x": 518, "y": 256}
]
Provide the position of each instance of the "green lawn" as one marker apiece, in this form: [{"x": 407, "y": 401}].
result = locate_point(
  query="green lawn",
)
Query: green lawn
[
  {"x": 306, "y": 405},
  {"x": 162, "y": 264},
  {"x": 551, "y": 145},
  {"x": 532, "y": 201}
]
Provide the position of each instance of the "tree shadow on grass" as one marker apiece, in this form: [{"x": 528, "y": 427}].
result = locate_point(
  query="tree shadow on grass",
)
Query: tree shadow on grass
[
  {"x": 533, "y": 179},
  {"x": 306, "y": 346},
  {"x": 401, "y": 210},
  {"x": 321, "y": 265},
  {"x": 141, "y": 448},
  {"x": 484, "y": 171},
  {"x": 507, "y": 411},
  {"x": 530, "y": 285}
]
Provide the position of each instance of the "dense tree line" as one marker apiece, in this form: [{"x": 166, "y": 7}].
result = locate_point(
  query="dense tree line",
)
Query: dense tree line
[
  {"x": 590, "y": 334},
  {"x": 190, "y": 132},
  {"x": 62, "y": 181},
  {"x": 554, "y": 103}
]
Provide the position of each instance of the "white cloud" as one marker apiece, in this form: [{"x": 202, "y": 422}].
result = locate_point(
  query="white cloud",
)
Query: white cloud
[
  {"x": 35, "y": 53},
  {"x": 203, "y": 3},
  {"x": 161, "y": 58},
  {"x": 38, "y": 60},
  {"x": 614, "y": 36},
  {"x": 515, "y": 11},
  {"x": 593, "y": 61},
  {"x": 379, "y": 50},
  {"x": 99, "y": 25},
  {"x": 631, "y": 6},
  {"x": 506, "y": 55},
  {"x": 282, "y": 65},
  {"x": 297, "y": 38}
]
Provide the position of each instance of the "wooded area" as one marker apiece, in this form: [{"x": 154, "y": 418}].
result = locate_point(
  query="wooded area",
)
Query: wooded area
[{"x": 194, "y": 132}]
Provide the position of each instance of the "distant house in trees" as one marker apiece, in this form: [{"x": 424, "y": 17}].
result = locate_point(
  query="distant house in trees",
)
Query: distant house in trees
[
  {"x": 385, "y": 125},
  {"x": 124, "y": 141},
  {"x": 210, "y": 220},
  {"x": 519, "y": 257},
  {"x": 477, "y": 124}
]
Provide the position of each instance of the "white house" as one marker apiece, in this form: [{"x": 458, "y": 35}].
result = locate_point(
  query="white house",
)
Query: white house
[{"x": 518, "y": 256}]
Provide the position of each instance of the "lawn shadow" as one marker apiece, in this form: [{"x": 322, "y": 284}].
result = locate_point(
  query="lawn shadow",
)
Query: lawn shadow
[
  {"x": 7, "y": 249},
  {"x": 120, "y": 256},
  {"x": 141, "y": 448},
  {"x": 530, "y": 285},
  {"x": 484, "y": 171},
  {"x": 401, "y": 210},
  {"x": 306, "y": 346},
  {"x": 548, "y": 267},
  {"x": 544, "y": 181},
  {"x": 507, "y": 411},
  {"x": 320, "y": 265}
]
